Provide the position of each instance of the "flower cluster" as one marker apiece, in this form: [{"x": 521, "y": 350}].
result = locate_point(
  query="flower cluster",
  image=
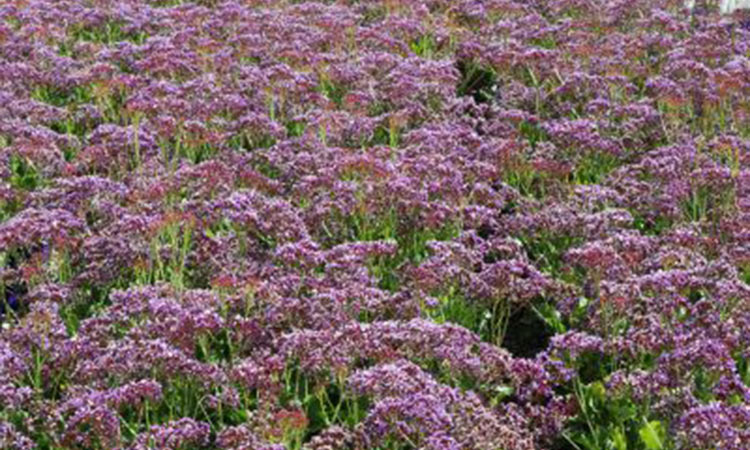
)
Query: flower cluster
[{"x": 442, "y": 224}]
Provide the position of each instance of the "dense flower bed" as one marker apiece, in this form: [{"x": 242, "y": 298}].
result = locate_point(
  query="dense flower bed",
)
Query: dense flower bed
[{"x": 384, "y": 224}]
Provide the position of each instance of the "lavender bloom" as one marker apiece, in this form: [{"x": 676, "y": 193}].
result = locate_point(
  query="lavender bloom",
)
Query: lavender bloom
[
  {"x": 10, "y": 437},
  {"x": 173, "y": 435},
  {"x": 33, "y": 226},
  {"x": 217, "y": 217},
  {"x": 713, "y": 425},
  {"x": 410, "y": 403}
]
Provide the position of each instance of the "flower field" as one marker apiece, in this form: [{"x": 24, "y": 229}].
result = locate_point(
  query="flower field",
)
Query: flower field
[{"x": 376, "y": 224}]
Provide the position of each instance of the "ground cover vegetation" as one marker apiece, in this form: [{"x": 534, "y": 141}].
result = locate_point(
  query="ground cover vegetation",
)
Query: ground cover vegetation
[{"x": 383, "y": 224}]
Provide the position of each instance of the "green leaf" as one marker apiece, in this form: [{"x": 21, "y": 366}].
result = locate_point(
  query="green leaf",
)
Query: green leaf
[
  {"x": 619, "y": 442},
  {"x": 651, "y": 433},
  {"x": 598, "y": 391},
  {"x": 551, "y": 317},
  {"x": 502, "y": 392}
]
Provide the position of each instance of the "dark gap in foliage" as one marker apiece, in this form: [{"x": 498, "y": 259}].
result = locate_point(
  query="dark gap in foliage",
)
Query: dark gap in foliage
[
  {"x": 12, "y": 293},
  {"x": 11, "y": 299},
  {"x": 527, "y": 333},
  {"x": 486, "y": 231}
]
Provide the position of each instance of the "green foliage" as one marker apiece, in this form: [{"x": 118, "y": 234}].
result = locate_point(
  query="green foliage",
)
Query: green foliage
[
  {"x": 532, "y": 132},
  {"x": 618, "y": 440},
  {"x": 411, "y": 242},
  {"x": 650, "y": 226},
  {"x": 453, "y": 307},
  {"x": 335, "y": 92},
  {"x": 477, "y": 81},
  {"x": 187, "y": 397},
  {"x": 610, "y": 419},
  {"x": 385, "y": 135},
  {"x": 551, "y": 316},
  {"x": 248, "y": 141},
  {"x": 522, "y": 330},
  {"x": 546, "y": 250},
  {"x": 56, "y": 96},
  {"x": 107, "y": 33},
  {"x": 325, "y": 401},
  {"x": 652, "y": 435},
  {"x": 70, "y": 127},
  {"x": 90, "y": 301},
  {"x": 215, "y": 348},
  {"x": 527, "y": 181},
  {"x": 607, "y": 422},
  {"x": 705, "y": 203},
  {"x": 24, "y": 174},
  {"x": 169, "y": 250},
  {"x": 744, "y": 272},
  {"x": 546, "y": 42},
  {"x": 593, "y": 168},
  {"x": 424, "y": 47},
  {"x": 295, "y": 128}
]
